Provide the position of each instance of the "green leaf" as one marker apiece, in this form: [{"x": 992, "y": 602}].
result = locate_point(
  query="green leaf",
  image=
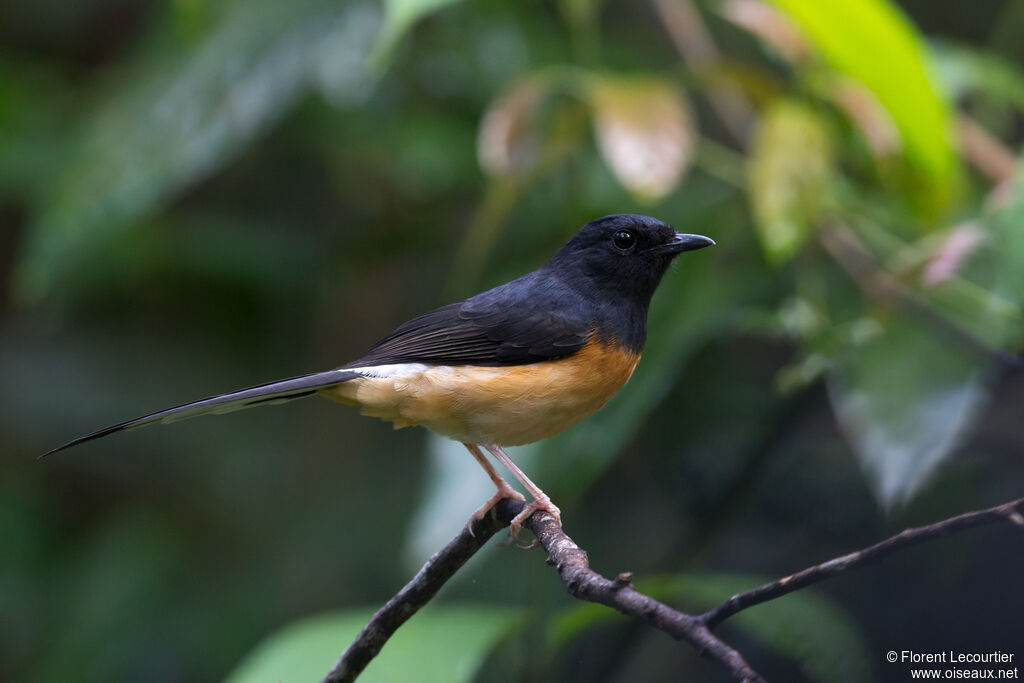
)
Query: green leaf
[
  {"x": 971, "y": 279},
  {"x": 790, "y": 168},
  {"x": 171, "y": 124},
  {"x": 873, "y": 42},
  {"x": 904, "y": 400},
  {"x": 1007, "y": 225},
  {"x": 805, "y": 627},
  {"x": 1008, "y": 250},
  {"x": 446, "y": 644},
  {"x": 645, "y": 131},
  {"x": 400, "y": 16},
  {"x": 965, "y": 71}
]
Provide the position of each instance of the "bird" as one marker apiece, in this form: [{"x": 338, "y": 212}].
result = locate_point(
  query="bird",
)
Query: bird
[{"x": 512, "y": 365}]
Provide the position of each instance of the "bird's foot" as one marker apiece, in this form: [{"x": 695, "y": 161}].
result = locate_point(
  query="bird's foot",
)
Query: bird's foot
[
  {"x": 543, "y": 503},
  {"x": 504, "y": 491}
]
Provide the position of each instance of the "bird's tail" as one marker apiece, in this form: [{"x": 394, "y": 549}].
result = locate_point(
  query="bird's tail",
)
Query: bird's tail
[{"x": 264, "y": 394}]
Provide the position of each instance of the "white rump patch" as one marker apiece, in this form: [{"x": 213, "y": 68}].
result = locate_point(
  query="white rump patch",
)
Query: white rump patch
[{"x": 394, "y": 370}]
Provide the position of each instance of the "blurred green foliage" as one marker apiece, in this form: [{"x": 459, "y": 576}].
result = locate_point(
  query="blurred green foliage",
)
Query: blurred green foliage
[
  {"x": 443, "y": 645},
  {"x": 200, "y": 196}
]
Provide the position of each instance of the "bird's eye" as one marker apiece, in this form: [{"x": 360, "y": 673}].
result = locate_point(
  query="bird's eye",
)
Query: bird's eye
[{"x": 624, "y": 239}]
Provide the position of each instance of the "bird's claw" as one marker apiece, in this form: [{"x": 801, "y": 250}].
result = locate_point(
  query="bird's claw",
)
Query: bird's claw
[
  {"x": 502, "y": 493},
  {"x": 516, "y": 525}
]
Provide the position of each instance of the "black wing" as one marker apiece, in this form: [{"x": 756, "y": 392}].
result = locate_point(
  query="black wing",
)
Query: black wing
[{"x": 527, "y": 320}]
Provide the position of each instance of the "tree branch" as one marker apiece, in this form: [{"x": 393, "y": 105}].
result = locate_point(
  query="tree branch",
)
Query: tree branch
[
  {"x": 582, "y": 582},
  {"x": 574, "y": 569},
  {"x": 1012, "y": 512},
  {"x": 441, "y": 566}
]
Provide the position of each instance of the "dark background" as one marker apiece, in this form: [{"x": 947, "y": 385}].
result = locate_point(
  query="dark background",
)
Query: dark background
[{"x": 196, "y": 197}]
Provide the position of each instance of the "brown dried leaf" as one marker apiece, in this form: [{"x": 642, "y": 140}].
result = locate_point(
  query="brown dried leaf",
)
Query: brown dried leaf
[
  {"x": 644, "y": 131},
  {"x": 953, "y": 254},
  {"x": 770, "y": 25},
  {"x": 509, "y": 139}
]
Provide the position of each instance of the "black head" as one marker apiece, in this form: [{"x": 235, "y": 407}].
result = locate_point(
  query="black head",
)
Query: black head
[{"x": 622, "y": 257}]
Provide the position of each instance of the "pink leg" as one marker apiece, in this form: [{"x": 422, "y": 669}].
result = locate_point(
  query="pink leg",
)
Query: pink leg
[
  {"x": 540, "y": 499},
  {"x": 504, "y": 490}
]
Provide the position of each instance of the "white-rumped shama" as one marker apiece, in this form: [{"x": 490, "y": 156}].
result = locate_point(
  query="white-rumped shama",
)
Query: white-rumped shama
[{"x": 510, "y": 366}]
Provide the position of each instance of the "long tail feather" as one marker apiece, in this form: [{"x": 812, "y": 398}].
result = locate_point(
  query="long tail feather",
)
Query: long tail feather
[{"x": 264, "y": 394}]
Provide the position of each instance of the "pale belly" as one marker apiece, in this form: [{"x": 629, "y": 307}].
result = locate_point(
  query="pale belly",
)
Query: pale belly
[{"x": 507, "y": 406}]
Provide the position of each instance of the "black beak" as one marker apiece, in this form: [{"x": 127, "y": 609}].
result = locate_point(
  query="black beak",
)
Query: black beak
[{"x": 682, "y": 242}]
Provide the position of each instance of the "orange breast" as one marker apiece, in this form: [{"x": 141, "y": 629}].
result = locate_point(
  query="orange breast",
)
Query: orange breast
[{"x": 508, "y": 406}]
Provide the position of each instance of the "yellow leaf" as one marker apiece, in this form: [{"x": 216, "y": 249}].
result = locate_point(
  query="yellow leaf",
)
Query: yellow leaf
[
  {"x": 790, "y": 167},
  {"x": 873, "y": 42}
]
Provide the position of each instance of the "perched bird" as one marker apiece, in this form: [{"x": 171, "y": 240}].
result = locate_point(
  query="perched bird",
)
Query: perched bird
[{"x": 510, "y": 366}]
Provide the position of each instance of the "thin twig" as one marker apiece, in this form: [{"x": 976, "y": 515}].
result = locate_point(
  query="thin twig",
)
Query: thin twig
[
  {"x": 985, "y": 152},
  {"x": 991, "y": 157},
  {"x": 693, "y": 41},
  {"x": 844, "y": 245},
  {"x": 1012, "y": 512},
  {"x": 441, "y": 566}
]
